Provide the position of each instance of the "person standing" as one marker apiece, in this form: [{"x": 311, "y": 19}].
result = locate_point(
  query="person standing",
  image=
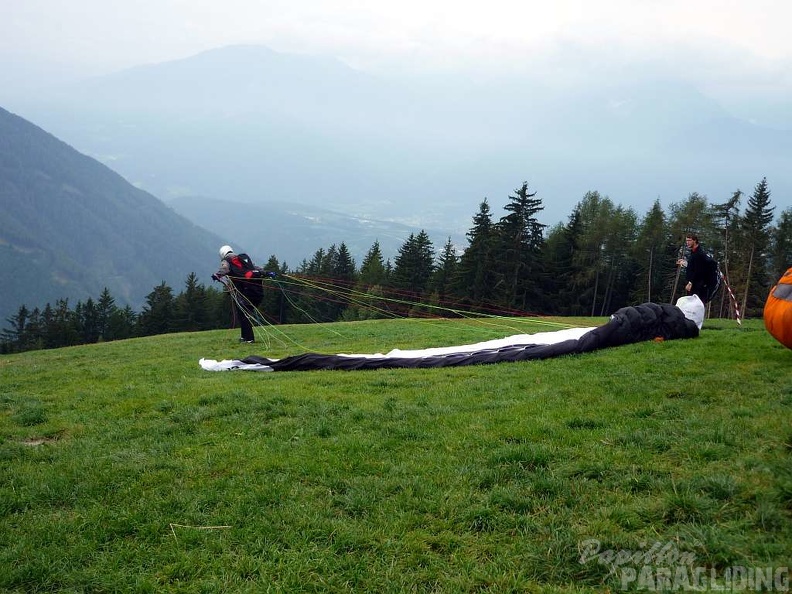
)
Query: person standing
[
  {"x": 697, "y": 269},
  {"x": 247, "y": 289}
]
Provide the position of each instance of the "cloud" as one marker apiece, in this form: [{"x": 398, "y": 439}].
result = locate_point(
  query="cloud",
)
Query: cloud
[{"x": 723, "y": 45}]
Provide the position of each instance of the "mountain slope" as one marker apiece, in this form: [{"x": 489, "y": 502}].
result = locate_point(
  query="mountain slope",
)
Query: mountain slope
[
  {"x": 70, "y": 227},
  {"x": 247, "y": 124}
]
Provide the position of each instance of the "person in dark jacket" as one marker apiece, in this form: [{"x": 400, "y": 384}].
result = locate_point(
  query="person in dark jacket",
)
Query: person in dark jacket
[
  {"x": 248, "y": 288},
  {"x": 696, "y": 271}
]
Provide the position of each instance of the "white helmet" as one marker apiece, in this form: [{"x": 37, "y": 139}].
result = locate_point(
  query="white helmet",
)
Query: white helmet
[{"x": 225, "y": 250}]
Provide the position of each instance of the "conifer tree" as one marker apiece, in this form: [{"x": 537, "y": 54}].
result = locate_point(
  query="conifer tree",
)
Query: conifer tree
[
  {"x": 86, "y": 320},
  {"x": 589, "y": 260},
  {"x": 653, "y": 253},
  {"x": 62, "y": 328},
  {"x": 372, "y": 269},
  {"x": 105, "y": 306},
  {"x": 726, "y": 218},
  {"x": 340, "y": 268},
  {"x": 310, "y": 305},
  {"x": 781, "y": 252},
  {"x": 13, "y": 338},
  {"x": 123, "y": 323},
  {"x": 156, "y": 316},
  {"x": 343, "y": 266},
  {"x": 414, "y": 266},
  {"x": 520, "y": 240},
  {"x": 190, "y": 307},
  {"x": 316, "y": 264},
  {"x": 474, "y": 281},
  {"x": 756, "y": 237},
  {"x": 274, "y": 306},
  {"x": 621, "y": 268},
  {"x": 557, "y": 261},
  {"x": 444, "y": 271},
  {"x": 369, "y": 287}
]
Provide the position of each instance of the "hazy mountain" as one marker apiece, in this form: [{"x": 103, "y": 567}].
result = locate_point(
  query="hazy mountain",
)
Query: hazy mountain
[
  {"x": 294, "y": 232},
  {"x": 246, "y": 124},
  {"x": 70, "y": 227}
]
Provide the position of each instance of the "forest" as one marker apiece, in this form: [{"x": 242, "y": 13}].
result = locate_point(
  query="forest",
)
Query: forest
[{"x": 604, "y": 257}]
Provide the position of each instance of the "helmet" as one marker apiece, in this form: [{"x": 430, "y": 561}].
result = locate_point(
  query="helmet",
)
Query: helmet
[{"x": 225, "y": 250}]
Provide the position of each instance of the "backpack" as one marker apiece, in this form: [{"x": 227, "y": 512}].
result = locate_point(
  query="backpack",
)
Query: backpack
[
  {"x": 243, "y": 269},
  {"x": 713, "y": 275}
]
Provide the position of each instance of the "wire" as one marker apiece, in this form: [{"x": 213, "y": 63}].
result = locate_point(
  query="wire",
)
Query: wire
[{"x": 387, "y": 303}]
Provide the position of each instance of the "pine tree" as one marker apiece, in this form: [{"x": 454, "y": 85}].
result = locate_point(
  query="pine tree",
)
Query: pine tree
[
  {"x": 328, "y": 264},
  {"x": 87, "y": 321},
  {"x": 371, "y": 280},
  {"x": 34, "y": 330},
  {"x": 105, "y": 307},
  {"x": 61, "y": 327},
  {"x": 653, "y": 253},
  {"x": 123, "y": 324},
  {"x": 691, "y": 216},
  {"x": 317, "y": 263},
  {"x": 520, "y": 240},
  {"x": 274, "y": 306},
  {"x": 341, "y": 269},
  {"x": 756, "y": 237},
  {"x": 372, "y": 270},
  {"x": 444, "y": 271},
  {"x": 726, "y": 217},
  {"x": 156, "y": 316},
  {"x": 13, "y": 338},
  {"x": 589, "y": 261},
  {"x": 414, "y": 266},
  {"x": 311, "y": 305},
  {"x": 622, "y": 270},
  {"x": 557, "y": 262},
  {"x": 343, "y": 265},
  {"x": 781, "y": 253},
  {"x": 474, "y": 281},
  {"x": 190, "y": 311}
]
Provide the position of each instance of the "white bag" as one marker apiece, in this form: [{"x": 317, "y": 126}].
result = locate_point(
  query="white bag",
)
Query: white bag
[{"x": 693, "y": 308}]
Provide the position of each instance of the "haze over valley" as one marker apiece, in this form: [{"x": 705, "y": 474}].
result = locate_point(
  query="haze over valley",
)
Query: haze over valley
[{"x": 283, "y": 130}]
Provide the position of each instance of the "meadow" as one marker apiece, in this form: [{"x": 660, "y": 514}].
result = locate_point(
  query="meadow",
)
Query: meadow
[{"x": 124, "y": 467}]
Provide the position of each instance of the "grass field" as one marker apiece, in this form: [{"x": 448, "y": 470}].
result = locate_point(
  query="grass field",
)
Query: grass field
[{"x": 126, "y": 468}]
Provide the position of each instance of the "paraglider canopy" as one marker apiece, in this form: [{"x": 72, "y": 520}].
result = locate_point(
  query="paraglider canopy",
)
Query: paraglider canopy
[
  {"x": 778, "y": 310},
  {"x": 648, "y": 321}
]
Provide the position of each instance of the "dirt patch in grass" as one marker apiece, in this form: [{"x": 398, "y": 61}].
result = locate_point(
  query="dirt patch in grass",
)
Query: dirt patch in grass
[{"x": 37, "y": 441}]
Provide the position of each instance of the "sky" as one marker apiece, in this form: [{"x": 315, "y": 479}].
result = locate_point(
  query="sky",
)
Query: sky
[
  {"x": 726, "y": 46},
  {"x": 737, "y": 52}
]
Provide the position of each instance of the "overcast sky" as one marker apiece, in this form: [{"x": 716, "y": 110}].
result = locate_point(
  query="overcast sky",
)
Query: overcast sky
[{"x": 725, "y": 45}]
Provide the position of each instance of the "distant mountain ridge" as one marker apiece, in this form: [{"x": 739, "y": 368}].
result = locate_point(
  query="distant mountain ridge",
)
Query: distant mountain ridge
[
  {"x": 70, "y": 227},
  {"x": 248, "y": 124}
]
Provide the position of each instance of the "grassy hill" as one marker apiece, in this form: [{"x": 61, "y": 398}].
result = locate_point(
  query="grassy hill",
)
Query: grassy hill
[{"x": 125, "y": 467}]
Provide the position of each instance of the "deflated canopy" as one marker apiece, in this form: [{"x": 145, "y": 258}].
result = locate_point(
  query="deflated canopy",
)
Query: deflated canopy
[{"x": 648, "y": 321}]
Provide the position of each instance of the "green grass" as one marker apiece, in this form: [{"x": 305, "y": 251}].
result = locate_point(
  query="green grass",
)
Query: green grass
[{"x": 124, "y": 467}]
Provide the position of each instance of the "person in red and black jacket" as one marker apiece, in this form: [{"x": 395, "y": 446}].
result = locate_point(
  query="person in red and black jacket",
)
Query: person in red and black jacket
[{"x": 246, "y": 279}]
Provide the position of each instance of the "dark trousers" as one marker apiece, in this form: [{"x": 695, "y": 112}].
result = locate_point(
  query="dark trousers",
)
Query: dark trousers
[
  {"x": 702, "y": 291},
  {"x": 244, "y": 310}
]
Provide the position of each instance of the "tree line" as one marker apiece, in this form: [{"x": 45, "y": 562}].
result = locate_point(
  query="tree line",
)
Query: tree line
[{"x": 602, "y": 258}]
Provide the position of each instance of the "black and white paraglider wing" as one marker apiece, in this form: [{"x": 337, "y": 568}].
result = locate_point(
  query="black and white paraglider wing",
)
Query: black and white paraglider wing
[{"x": 628, "y": 325}]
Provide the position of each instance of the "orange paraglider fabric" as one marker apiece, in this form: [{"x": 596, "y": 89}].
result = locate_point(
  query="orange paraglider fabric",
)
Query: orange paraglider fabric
[{"x": 778, "y": 310}]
